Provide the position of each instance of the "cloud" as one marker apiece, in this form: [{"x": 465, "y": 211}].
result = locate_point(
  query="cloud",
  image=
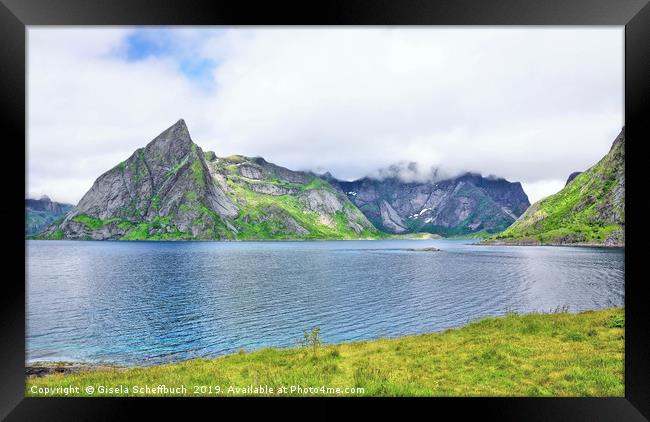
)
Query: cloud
[
  {"x": 527, "y": 104},
  {"x": 410, "y": 172},
  {"x": 88, "y": 110},
  {"x": 539, "y": 189}
]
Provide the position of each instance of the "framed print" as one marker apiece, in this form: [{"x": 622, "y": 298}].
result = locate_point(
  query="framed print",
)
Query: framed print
[{"x": 359, "y": 201}]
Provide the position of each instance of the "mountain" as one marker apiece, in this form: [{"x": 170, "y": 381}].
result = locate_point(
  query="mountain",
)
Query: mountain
[
  {"x": 572, "y": 176},
  {"x": 590, "y": 209},
  {"x": 171, "y": 189},
  {"x": 39, "y": 213},
  {"x": 467, "y": 204}
]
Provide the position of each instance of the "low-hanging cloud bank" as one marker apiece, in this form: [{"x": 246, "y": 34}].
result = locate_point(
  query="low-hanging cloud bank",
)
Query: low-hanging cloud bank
[{"x": 530, "y": 105}]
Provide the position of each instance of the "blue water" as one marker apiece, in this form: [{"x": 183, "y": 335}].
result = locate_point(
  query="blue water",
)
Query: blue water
[{"x": 140, "y": 303}]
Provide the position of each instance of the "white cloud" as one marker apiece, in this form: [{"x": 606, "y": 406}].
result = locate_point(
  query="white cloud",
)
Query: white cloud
[
  {"x": 527, "y": 104},
  {"x": 89, "y": 110},
  {"x": 540, "y": 189}
]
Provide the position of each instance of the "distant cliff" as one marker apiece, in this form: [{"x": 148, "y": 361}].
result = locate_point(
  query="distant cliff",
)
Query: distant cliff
[
  {"x": 589, "y": 210},
  {"x": 467, "y": 204},
  {"x": 39, "y": 213}
]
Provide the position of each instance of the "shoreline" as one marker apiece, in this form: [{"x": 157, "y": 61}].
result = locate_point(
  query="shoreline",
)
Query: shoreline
[
  {"x": 43, "y": 369},
  {"x": 510, "y": 355},
  {"x": 524, "y": 243},
  {"x": 393, "y": 237},
  {"x": 39, "y": 369}
]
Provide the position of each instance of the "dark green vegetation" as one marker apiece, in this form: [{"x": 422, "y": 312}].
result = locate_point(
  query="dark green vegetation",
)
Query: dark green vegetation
[
  {"x": 40, "y": 213},
  {"x": 516, "y": 355},
  {"x": 589, "y": 210}
]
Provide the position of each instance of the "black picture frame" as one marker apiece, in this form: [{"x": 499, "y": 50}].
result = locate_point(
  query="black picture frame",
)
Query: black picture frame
[{"x": 15, "y": 15}]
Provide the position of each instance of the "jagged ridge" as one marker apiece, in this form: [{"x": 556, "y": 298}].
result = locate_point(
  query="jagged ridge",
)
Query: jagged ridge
[
  {"x": 461, "y": 205},
  {"x": 171, "y": 189}
]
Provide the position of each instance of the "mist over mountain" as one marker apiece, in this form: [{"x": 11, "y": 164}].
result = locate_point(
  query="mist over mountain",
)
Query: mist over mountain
[{"x": 409, "y": 172}]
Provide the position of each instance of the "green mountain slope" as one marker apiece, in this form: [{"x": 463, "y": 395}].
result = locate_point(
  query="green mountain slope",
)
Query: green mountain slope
[
  {"x": 589, "y": 210},
  {"x": 277, "y": 203},
  {"x": 171, "y": 189}
]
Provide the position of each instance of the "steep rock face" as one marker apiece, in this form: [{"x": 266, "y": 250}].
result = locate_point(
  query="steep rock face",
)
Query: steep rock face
[
  {"x": 390, "y": 219},
  {"x": 466, "y": 204},
  {"x": 40, "y": 213},
  {"x": 44, "y": 203},
  {"x": 163, "y": 190},
  {"x": 589, "y": 209},
  {"x": 171, "y": 189}
]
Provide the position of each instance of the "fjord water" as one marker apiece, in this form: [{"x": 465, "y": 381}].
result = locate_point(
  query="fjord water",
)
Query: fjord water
[{"x": 141, "y": 303}]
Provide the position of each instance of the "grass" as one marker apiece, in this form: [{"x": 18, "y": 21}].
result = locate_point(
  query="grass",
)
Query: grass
[
  {"x": 93, "y": 223},
  {"x": 587, "y": 210},
  {"x": 318, "y": 183},
  {"x": 175, "y": 169},
  {"x": 265, "y": 216},
  {"x": 555, "y": 354},
  {"x": 56, "y": 235},
  {"x": 197, "y": 169}
]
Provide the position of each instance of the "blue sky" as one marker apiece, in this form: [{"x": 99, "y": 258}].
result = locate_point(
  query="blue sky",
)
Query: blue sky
[
  {"x": 527, "y": 104},
  {"x": 164, "y": 42}
]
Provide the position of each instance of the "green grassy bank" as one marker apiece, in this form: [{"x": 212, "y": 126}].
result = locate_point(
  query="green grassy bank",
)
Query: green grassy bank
[{"x": 516, "y": 355}]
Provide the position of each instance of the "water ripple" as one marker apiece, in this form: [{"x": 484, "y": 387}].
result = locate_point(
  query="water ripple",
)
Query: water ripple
[{"x": 148, "y": 302}]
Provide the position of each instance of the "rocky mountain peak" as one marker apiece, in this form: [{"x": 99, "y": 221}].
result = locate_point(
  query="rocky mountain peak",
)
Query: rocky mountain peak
[
  {"x": 162, "y": 190},
  {"x": 170, "y": 189},
  {"x": 177, "y": 130},
  {"x": 173, "y": 144}
]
